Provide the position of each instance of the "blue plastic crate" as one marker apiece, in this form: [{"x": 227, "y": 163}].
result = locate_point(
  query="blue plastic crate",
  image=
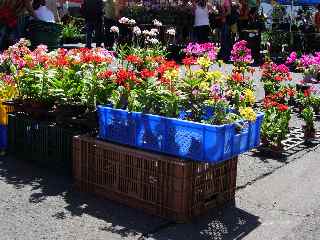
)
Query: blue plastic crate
[
  {"x": 3, "y": 137},
  {"x": 185, "y": 139},
  {"x": 118, "y": 125}
]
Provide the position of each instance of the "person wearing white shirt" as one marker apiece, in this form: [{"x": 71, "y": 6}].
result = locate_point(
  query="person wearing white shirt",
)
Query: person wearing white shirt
[
  {"x": 42, "y": 12},
  {"x": 201, "y": 20}
]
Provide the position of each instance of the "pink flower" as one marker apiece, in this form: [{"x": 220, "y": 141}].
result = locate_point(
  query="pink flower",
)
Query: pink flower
[
  {"x": 282, "y": 68},
  {"x": 202, "y": 49},
  {"x": 292, "y": 58},
  {"x": 240, "y": 53}
]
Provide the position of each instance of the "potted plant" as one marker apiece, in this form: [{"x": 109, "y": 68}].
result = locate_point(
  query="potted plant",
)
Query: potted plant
[
  {"x": 308, "y": 117},
  {"x": 274, "y": 76}
]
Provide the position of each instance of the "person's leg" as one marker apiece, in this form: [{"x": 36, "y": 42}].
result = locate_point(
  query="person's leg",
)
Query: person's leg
[
  {"x": 108, "y": 36},
  {"x": 3, "y": 33},
  {"x": 205, "y": 34},
  {"x": 196, "y": 34},
  {"x": 225, "y": 42},
  {"x": 99, "y": 32},
  {"x": 89, "y": 32}
]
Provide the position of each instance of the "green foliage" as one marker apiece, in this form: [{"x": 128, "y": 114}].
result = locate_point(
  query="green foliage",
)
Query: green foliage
[
  {"x": 308, "y": 116},
  {"x": 275, "y": 126}
]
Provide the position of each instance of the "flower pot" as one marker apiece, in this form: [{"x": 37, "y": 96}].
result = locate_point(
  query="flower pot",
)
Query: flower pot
[
  {"x": 36, "y": 109},
  {"x": 309, "y": 132},
  {"x": 302, "y": 87}
]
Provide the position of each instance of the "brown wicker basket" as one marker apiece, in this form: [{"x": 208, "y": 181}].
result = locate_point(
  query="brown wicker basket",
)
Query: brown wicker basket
[{"x": 160, "y": 185}]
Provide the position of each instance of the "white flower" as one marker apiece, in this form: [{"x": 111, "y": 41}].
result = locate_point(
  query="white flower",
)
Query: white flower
[
  {"x": 154, "y": 30},
  {"x": 124, "y": 20},
  {"x": 114, "y": 29},
  {"x": 132, "y": 22},
  {"x": 157, "y": 23},
  {"x": 171, "y": 32},
  {"x": 153, "y": 41},
  {"x": 145, "y": 32},
  {"x": 136, "y": 31}
]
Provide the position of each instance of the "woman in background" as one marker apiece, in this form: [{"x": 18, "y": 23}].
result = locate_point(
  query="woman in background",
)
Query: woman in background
[
  {"x": 201, "y": 20},
  {"x": 42, "y": 12},
  {"x": 53, "y": 6},
  {"x": 12, "y": 19}
]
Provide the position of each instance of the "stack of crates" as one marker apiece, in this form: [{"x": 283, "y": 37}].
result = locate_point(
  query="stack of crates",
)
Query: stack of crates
[
  {"x": 4, "y": 111},
  {"x": 40, "y": 142}
]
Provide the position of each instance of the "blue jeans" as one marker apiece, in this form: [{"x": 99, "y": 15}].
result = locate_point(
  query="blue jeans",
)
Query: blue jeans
[{"x": 95, "y": 26}]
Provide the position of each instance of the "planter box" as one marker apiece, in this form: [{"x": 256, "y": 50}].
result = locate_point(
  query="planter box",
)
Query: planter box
[
  {"x": 4, "y": 111},
  {"x": 41, "y": 142},
  {"x": 160, "y": 185},
  {"x": 184, "y": 139}
]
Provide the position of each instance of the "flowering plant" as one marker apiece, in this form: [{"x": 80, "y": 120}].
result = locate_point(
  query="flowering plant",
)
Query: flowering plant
[
  {"x": 308, "y": 116},
  {"x": 241, "y": 55},
  {"x": 140, "y": 79},
  {"x": 205, "y": 49},
  {"x": 309, "y": 64},
  {"x": 276, "y": 123},
  {"x": 61, "y": 76}
]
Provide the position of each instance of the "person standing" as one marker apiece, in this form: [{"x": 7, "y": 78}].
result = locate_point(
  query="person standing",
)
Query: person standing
[
  {"x": 317, "y": 19},
  {"x": 201, "y": 21},
  {"x": 109, "y": 21},
  {"x": 53, "y": 7},
  {"x": 12, "y": 18},
  {"x": 226, "y": 40},
  {"x": 93, "y": 14},
  {"x": 43, "y": 13}
]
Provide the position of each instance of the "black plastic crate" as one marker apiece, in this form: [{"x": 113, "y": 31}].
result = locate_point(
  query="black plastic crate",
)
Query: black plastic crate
[{"x": 44, "y": 143}]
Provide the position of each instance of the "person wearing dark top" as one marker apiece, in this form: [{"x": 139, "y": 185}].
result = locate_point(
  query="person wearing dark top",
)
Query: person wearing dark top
[
  {"x": 11, "y": 19},
  {"x": 92, "y": 11}
]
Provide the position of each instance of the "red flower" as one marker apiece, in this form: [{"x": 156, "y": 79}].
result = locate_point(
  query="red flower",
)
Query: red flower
[
  {"x": 159, "y": 59},
  {"x": 307, "y": 93},
  {"x": 278, "y": 78},
  {"x": 134, "y": 59},
  {"x": 291, "y": 92},
  {"x": 282, "y": 107},
  {"x": 166, "y": 66},
  {"x": 237, "y": 77},
  {"x": 105, "y": 75},
  {"x": 189, "y": 61},
  {"x": 123, "y": 76},
  {"x": 145, "y": 73}
]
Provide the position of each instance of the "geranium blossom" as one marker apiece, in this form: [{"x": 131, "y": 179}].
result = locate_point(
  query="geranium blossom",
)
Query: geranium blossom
[
  {"x": 136, "y": 60},
  {"x": 240, "y": 54}
]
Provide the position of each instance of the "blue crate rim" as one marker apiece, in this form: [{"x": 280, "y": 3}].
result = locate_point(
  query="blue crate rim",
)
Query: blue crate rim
[{"x": 259, "y": 115}]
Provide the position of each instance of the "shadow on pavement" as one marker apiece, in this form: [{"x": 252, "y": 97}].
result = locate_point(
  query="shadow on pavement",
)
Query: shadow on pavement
[{"x": 228, "y": 223}]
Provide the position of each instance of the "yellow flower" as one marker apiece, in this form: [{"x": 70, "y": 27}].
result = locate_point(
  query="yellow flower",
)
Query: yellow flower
[
  {"x": 199, "y": 73},
  {"x": 204, "y": 85},
  {"x": 249, "y": 96},
  {"x": 204, "y": 62},
  {"x": 171, "y": 74},
  {"x": 214, "y": 77},
  {"x": 248, "y": 114}
]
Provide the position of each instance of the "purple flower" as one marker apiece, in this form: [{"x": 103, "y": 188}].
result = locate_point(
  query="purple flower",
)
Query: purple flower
[{"x": 215, "y": 89}]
